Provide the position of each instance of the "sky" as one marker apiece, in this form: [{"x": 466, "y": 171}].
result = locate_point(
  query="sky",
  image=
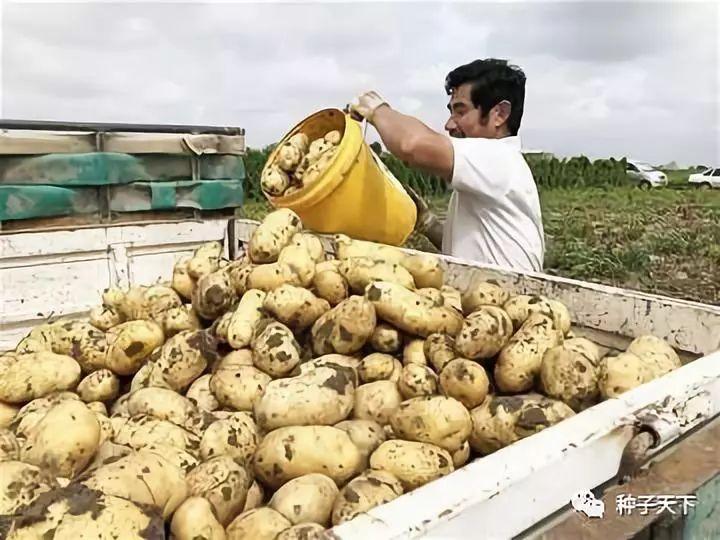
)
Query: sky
[{"x": 637, "y": 79}]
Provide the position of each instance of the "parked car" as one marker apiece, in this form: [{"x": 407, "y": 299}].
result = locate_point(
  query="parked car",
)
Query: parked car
[
  {"x": 709, "y": 178},
  {"x": 645, "y": 175}
]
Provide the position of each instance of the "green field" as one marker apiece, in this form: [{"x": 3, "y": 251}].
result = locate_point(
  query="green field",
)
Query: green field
[{"x": 664, "y": 241}]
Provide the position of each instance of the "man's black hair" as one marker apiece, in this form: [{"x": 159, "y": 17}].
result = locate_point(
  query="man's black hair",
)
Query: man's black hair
[{"x": 493, "y": 81}]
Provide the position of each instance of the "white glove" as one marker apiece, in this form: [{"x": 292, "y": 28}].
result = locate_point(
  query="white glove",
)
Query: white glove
[{"x": 366, "y": 104}]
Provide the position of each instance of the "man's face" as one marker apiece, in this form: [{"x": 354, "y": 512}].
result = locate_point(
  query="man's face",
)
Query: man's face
[{"x": 465, "y": 119}]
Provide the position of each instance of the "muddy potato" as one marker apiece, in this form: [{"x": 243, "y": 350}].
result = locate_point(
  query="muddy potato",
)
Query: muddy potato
[
  {"x": 219, "y": 329},
  {"x": 213, "y": 295},
  {"x": 106, "y": 427},
  {"x": 130, "y": 344},
  {"x": 236, "y": 436},
  {"x": 385, "y": 339},
  {"x": 7, "y": 414},
  {"x": 38, "y": 339},
  {"x": 300, "y": 141},
  {"x": 345, "y": 328},
  {"x": 274, "y": 181},
  {"x": 275, "y": 349},
  {"x": 323, "y": 396},
  {"x": 182, "y": 282},
  {"x": 255, "y": 496},
  {"x": 9, "y": 446},
  {"x": 484, "y": 333},
  {"x": 238, "y": 386},
  {"x": 184, "y": 357},
  {"x": 465, "y": 381},
  {"x": 379, "y": 367},
  {"x": 105, "y": 317},
  {"x": 561, "y": 316},
  {"x": 363, "y": 493},
  {"x": 427, "y": 270},
  {"x": 411, "y": 312},
  {"x": 569, "y": 372},
  {"x": 148, "y": 376},
  {"x": 658, "y": 357},
  {"x": 34, "y": 375},
  {"x": 461, "y": 456},
  {"x": 360, "y": 272},
  {"x": 365, "y": 434},
  {"x": 520, "y": 360},
  {"x": 101, "y": 385},
  {"x": 257, "y": 524},
  {"x": 67, "y": 455},
  {"x": 348, "y": 248},
  {"x": 330, "y": 285},
  {"x": 163, "y": 404},
  {"x": 289, "y": 452},
  {"x": 29, "y": 415},
  {"x": 179, "y": 319},
  {"x": 224, "y": 483},
  {"x": 311, "y": 243},
  {"x": 21, "y": 484},
  {"x": 328, "y": 359},
  {"x": 432, "y": 294},
  {"x": 239, "y": 275},
  {"x": 520, "y": 307},
  {"x": 503, "y": 420},
  {"x": 201, "y": 395},
  {"x": 414, "y": 353},
  {"x": 205, "y": 260},
  {"x": 303, "y": 531},
  {"x": 159, "y": 299},
  {"x": 244, "y": 319},
  {"x": 412, "y": 463},
  {"x": 295, "y": 307},
  {"x": 288, "y": 157},
  {"x": 295, "y": 266},
  {"x": 143, "y": 430},
  {"x": 451, "y": 298},
  {"x": 484, "y": 293},
  {"x": 194, "y": 519},
  {"x": 376, "y": 401},
  {"x": 439, "y": 350},
  {"x": 307, "y": 498},
  {"x": 618, "y": 374},
  {"x": 417, "y": 380},
  {"x": 272, "y": 235},
  {"x": 179, "y": 458},
  {"x": 141, "y": 477},
  {"x": 438, "y": 420}
]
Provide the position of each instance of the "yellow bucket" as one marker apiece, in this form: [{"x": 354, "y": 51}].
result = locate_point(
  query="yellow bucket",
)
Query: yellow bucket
[{"x": 356, "y": 195}]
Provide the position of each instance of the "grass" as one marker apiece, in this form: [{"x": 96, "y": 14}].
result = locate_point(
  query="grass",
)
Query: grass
[{"x": 663, "y": 241}]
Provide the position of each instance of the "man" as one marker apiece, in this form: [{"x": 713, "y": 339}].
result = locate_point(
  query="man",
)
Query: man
[{"x": 494, "y": 211}]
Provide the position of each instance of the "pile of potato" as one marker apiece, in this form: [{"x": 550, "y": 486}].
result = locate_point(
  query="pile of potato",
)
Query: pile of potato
[
  {"x": 280, "y": 394},
  {"x": 299, "y": 163}
]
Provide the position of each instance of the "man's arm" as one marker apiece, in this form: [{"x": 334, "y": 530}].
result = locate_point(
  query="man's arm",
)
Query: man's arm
[{"x": 434, "y": 233}]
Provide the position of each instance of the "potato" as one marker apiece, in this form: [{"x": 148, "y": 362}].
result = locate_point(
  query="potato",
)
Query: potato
[
  {"x": 257, "y": 524},
  {"x": 484, "y": 333},
  {"x": 255, "y": 497},
  {"x": 295, "y": 307},
  {"x": 414, "y": 352},
  {"x": 106, "y": 427},
  {"x": 159, "y": 299},
  {"x": 363, "y": 493},
  {"x": 439, "y": 349},
  {"x": 385, "y": 339},
  {"x": 288, "y": 157},
  {"x": 223, "y": 483},
  {"x": 360, "y": 272},
  {"x": 38, "y": 339},
  {"x": 412, "y": 463},
  {"x": 656, "y": 354},
  {"x": 503, "y": 420},
  {"x": 465, "y": 381},
  {"x": 21, "y": 484},
  {"x": 461, "y": 456},
  {"x": 275, "y": 350},
  {"x": 561, "y": 316},
  {"x": 439, "y": 420},
  {"x": 411, "y": 312},
  {"x": 484, "y": 293},
  {"x": 272, "y": 235},
  {"x": 35, "y": 375},
  {"x": 378, "y": 367},
  {"x": 348, "y": 248},
  {"x": 238, "y": 387},
  {"x": 451, "y": 298},
  {"x": 213, "y": 295},
  {"x": 519, "y": 362},
  {"x": 274, "y": 181},
  {"x": 432, "y": 294},
  {"x": 68, "y": 454},
  {"x": 569, "y": 372},
  {"x": 184, "y": 357},
  {"x": 618, "y": 374},
  {"x": 290, "y": 452},
  {"x": 113, "y": 297},
  {"x": 9, "y": 446},
  {"x": 163, "y": 404},
  {"x": 427, "y": 270},
  {"x": 323, "y": 396},
  {"x": 182, "y": 282},
  {"x": 179, "y": 319},
  {"x": 7, "y": 414},
  {"x": 303, "y": 531},
  {"x": 311, "y": 243},
  {"x": 244, "y": 319},
  {"x": 376, "y": 401},
  {"x": 28, "y": 416},
  {"x": 143, "y": 430},
  {"x": 201, "y": 395},
  {"x": 330, "y": 285},
  {"x": 417, "y": 380},
  {"x": 307, "y": 498},
  {"x": 132, "y": 305},
  {"x": 236, "y": 436},
  {"x": 301, "y": 263},
  {"x": 205, "y": 260},
  {"x": 181, "y": 459},
  {"x": 328, "y": 359},
  {"x": 194, "y": 519},
  {"x": 220, "y": 328},
  {"x": 105, "y": 317},
  {"x": 520, "y": 307},
  {"x": 300, "y": 141},
  {"x": 365, "y": 434},
  {"x": 345, "y": 328},
  {"x": 149, "y": 376},
  {"x": 239, "y": 275},
  {"x": 141, "y": 477},
  {"x": 129, "y": 345},
  {"x": 101, "y": 385}
]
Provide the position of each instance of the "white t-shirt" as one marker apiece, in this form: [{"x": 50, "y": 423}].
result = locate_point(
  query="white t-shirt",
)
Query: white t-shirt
[{"x": 494, "y": 212}]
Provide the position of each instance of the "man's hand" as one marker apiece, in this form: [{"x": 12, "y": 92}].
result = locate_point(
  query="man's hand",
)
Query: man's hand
[{"x": 366, "y": 104}]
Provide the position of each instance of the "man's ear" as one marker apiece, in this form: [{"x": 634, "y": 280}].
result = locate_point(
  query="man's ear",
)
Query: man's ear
[{"x": 502, "y": 112}]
